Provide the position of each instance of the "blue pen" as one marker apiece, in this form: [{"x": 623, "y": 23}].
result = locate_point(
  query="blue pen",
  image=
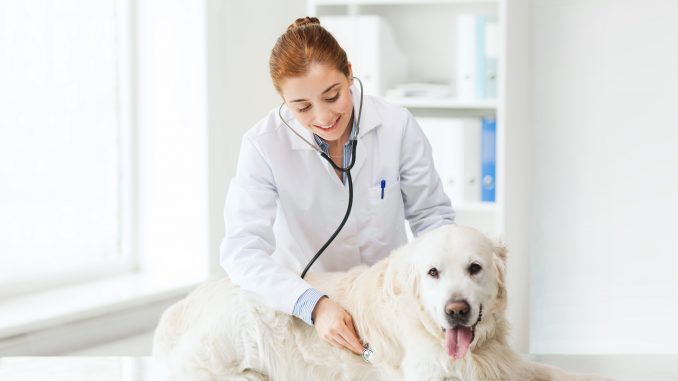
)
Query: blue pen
[{"x": 383, "y": 185}]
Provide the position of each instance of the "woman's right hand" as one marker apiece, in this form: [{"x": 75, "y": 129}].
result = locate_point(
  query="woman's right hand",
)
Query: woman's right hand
[{"x": 334, "y": 325}]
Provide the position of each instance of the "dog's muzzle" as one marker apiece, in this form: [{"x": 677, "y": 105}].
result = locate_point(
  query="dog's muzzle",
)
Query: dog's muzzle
[
  {"x": 458, "y": 337},
  {"x": 457, "y": 312}
]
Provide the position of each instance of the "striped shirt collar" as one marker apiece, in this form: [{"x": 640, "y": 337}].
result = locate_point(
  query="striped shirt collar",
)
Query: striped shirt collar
[{"x": 348, "y": 147}]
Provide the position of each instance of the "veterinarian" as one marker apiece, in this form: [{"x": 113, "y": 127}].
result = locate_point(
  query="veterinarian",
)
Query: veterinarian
[{"x": 286, "y": 200}]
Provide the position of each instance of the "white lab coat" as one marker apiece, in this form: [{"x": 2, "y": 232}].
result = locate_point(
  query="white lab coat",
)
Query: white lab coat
[{"x": 286, "y": 201}]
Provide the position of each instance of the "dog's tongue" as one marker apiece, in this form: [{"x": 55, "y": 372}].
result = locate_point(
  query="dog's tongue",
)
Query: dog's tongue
[{"x": 458, "y": 341}]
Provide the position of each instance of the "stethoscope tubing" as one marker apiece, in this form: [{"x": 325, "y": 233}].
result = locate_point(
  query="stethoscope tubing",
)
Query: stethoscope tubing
[
  {"x": 348, "y": 208},
  {"x": 346, "y": 170}
]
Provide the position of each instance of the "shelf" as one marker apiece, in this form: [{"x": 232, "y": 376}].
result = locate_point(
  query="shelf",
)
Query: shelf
[
  {"x": 477, "y": 206},
  {"x": 397, "y": 2},
  {"x": 422, "y": 77},
  {"x": 445, "y": 103}
]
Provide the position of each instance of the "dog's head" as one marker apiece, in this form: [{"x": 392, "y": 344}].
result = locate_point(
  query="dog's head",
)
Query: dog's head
[{"x": 456, "y": 274}]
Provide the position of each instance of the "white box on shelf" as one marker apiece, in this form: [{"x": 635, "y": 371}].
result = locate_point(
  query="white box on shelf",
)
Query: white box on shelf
[
  {"x": 456, "y": 155},
  {"x": 371, "y": 48}
]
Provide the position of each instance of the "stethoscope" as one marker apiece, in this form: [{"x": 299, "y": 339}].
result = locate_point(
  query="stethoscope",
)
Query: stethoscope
[
  {"x": 367, "y": 351},
  {"x": 347, "y": 171}
]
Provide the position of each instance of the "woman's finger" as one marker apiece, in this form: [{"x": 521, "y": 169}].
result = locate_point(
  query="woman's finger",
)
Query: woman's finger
[
  {"x": 341, "y": 343},
  {"x": 355, "y": 339},
  {"x": 351, "y": 340}
]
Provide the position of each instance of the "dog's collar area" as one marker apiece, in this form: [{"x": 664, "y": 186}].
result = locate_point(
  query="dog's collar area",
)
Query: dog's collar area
[
  {"x": 473, "y": 327},
  {"x": 480, "y": 316}
]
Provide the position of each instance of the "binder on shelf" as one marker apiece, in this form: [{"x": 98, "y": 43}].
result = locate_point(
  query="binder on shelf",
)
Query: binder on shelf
[
  {"x": 489, "y": 155},
  {"x": 491, "y": 54},
  {"x": 455, "y": 143},
  {"x": 466, "y": 56},
  {"x": 477, "y": 52},
  {"x": 480, "y": 56},
  {"x": 471, "y": 160},
  {"x": 372, "y": 49}
]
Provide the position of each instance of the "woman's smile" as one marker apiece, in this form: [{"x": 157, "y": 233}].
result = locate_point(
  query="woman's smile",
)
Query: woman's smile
[{"x": 329, "y": 127}]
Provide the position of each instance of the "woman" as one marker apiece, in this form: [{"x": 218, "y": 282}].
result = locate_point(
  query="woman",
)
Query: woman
[{"x": 286, "y": 200}]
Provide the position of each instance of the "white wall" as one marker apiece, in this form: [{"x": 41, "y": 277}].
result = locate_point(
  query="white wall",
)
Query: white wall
[
  {"x": 240, "y": 35},
  {"x": 606, "y": 183},
  {"x": 171, "y": 122},
  {"x": 516, "y": 157}
]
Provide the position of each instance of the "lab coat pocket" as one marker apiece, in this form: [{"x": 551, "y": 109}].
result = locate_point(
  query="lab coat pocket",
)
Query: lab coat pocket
[{"x": 386, "y": 211}]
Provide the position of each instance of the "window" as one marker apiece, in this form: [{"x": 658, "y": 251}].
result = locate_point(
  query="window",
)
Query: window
[{"x": 63, "y": 136}]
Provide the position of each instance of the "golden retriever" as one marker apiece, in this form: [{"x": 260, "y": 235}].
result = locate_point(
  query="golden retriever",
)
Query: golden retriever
[{"x": 433, "y": 310}]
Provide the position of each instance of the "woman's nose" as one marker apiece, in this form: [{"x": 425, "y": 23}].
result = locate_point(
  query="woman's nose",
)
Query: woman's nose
[{"x": 323, "y": 116}]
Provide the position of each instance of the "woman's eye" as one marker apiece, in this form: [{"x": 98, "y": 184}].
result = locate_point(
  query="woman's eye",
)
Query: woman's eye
[
  {"x": 333, "y": 99},
  {"x": 304, "y": 109},
  {"x": 433, "y": 272},
  {"x": 474, "y": 268}
]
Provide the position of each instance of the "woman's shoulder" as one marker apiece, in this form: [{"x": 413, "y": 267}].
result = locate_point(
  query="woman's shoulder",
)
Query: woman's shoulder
[
  {"x": 268, "y": 125},
  {"x": 382, "y": 112},
  {"x": 386, "y": 113},
  {"x": 387, "y": 107}
]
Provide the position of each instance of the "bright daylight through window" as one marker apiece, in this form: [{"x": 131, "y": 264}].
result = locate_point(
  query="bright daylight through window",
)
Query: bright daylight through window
[{"x": 60, "y": 140}]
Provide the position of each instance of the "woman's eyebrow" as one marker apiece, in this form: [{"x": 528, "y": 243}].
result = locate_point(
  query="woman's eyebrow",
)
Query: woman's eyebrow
[
  {"x": 330, "y": 88},
  {"x": 324, "y": 92}
]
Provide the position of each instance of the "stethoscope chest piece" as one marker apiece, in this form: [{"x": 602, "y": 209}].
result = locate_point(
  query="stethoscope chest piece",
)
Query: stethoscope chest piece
[{"x": 367, "y": 353}]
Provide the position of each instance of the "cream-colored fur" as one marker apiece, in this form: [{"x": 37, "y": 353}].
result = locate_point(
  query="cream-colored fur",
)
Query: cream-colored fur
[{"x": 221, "y": 333}]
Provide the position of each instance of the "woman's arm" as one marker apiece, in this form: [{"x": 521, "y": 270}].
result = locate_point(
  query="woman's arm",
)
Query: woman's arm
[
  {"x": 250, "y": 210},
  {"x": 246, "y": 250}
]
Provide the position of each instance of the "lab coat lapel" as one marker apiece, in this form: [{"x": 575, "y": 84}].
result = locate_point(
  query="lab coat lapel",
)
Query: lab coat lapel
[
  {"x": 298, "y": 144},
  {"x": 295, "y": 142},
  {"x": 369, "y": 120}
]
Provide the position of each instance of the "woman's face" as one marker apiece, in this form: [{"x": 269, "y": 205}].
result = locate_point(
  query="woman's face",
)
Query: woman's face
[{"x": 321, "y": 101}]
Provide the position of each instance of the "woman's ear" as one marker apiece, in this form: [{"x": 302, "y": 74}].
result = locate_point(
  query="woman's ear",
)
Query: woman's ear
[{"x": 350, "y": 74}]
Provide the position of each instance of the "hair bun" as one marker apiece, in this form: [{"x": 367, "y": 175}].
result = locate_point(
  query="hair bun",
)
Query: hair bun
[{"x": 304, "y": 21}]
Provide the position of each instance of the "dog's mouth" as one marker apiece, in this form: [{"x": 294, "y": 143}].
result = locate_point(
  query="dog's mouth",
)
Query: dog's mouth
[{"x": 459, "y": 338}]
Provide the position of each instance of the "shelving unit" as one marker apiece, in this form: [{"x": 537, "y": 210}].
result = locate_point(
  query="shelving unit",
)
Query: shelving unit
[
  {"x": 488, "y": 106},
  {"x": 395, "y": 2},
  {"x": 421, "y": 30},
  {"x": 426, "y": 30}
]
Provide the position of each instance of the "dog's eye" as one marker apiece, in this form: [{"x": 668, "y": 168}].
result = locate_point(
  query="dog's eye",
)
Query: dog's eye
[
  {"x": 433, "y": 272},
  {"x": 474, "y": 268}
]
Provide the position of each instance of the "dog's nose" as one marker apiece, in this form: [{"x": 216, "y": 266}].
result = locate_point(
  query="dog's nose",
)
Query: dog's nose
[{"x": 457, "y": 312}]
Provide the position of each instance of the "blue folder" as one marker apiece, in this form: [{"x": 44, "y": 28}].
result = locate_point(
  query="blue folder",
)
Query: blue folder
[{"x": 488, "y": 153}]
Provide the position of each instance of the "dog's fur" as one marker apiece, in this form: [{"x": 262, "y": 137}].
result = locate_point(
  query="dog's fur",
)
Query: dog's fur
[{"x": 221, "y": 333}]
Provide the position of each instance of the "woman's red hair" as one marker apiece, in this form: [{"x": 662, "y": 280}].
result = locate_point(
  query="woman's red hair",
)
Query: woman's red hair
[{"x": 305, "y": 43}]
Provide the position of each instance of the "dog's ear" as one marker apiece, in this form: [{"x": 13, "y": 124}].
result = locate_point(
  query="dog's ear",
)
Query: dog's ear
[
  {"x": 400, "y": 275},
  {"x": 500, "y": 252}
]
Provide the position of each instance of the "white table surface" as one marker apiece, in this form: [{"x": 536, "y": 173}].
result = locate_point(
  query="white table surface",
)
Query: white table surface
[
  {"x": 619, "y": 367},
  {"x": 81, "y": 369}
]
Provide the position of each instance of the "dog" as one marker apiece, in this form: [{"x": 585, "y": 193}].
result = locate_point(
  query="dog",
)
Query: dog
[{"x": 433, "y": 310}]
